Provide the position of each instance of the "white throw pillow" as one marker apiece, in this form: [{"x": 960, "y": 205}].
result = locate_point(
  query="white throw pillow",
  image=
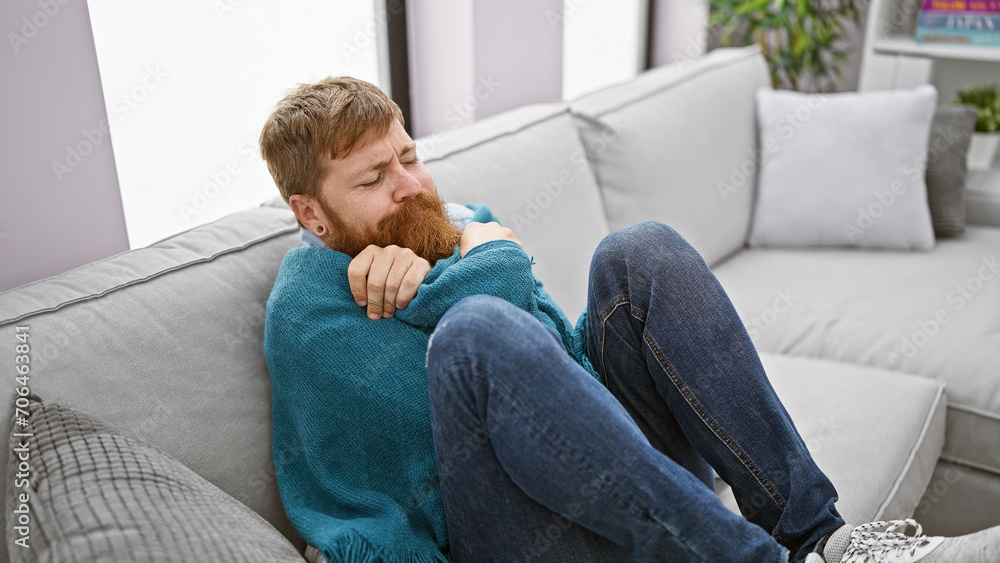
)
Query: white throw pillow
[{"x": 844, "y": 169}]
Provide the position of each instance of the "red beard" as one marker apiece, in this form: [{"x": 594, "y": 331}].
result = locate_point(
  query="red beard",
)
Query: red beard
[{"x": 421, "y": 225}]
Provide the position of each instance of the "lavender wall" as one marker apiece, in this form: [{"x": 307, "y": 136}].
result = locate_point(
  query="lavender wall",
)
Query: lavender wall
[
  {"x": 59, "y": 201},
  {"x": 678, "y": 30},
  {"x": 439, "y": 41},
  {"x": 519, "y": 45},
  {"x": 470, "y": 60}
]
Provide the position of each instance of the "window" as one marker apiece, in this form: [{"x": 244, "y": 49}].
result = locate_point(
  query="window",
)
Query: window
[
  {"x": 604, "y": 43},
  {"x": 189, "y": 83}
]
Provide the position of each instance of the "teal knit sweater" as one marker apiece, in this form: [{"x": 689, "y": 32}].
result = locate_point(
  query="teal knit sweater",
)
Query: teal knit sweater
[{"x": 353, "y": 450}]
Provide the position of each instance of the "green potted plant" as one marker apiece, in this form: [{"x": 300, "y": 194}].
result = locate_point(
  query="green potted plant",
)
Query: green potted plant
[
  {"x": 985, "y": 140},
  {"x": 802, "y": 40}
]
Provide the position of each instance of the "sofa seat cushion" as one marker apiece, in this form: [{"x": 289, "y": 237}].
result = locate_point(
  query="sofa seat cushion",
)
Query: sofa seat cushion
[
  {"x": 935, "y": 314},
  {"x": 679, "y": 145},
  {"x": 164, "y": 342},
  {"x": 529, "y": 167},
  {"x": 876, "y": 434}
]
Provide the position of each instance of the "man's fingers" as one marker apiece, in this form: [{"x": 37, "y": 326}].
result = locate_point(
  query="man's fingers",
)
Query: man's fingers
[
  {"x": 393, "y": 280},
  {"x": 386, "y": 279},
  {"x": 357, "y": 275},
  {"x": 415, "y": 275},
  {"x": 479, "y": 233},
  {"x": 376, "y": 283}
]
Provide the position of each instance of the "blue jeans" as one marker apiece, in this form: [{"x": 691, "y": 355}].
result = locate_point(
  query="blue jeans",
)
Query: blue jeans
[{"x": 540, "y": 461}]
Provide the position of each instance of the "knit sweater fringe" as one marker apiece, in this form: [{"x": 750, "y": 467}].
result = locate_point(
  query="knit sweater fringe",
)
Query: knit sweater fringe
[{"x": 357, "y": 549}]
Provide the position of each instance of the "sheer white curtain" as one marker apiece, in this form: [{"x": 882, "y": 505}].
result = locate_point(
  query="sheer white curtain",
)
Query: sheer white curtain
[{"x": 189, "y": 83}]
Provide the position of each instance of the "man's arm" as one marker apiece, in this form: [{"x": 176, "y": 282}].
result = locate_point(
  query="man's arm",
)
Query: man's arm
[
  {"x": 497, "y": 267},
  {"x": 387, "y": 279}
]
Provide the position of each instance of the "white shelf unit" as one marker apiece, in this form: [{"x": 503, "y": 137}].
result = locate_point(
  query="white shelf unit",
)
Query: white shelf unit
[
  {"x": 901, "y": 45},
  {"x": 892, "y": 58}
]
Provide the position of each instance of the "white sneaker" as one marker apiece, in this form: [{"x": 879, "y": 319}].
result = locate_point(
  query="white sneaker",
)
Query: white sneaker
[{"x": 878, "y": 542}]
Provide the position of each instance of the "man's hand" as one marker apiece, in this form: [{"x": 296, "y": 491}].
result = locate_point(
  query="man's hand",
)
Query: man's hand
[
  {"x": 478, "y": 233},
  {"x": 386, "y": 279}
]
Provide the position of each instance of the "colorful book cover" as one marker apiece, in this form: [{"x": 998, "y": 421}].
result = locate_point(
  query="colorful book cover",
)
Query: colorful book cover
[
  {"x": 958, "y": 37},
  {"x": 971, "y": 21},
  {"x": 961, "y": 6}
]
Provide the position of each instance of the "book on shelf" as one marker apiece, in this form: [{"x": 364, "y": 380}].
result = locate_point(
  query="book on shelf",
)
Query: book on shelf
[
  {"x": 991, "y": 6},
  {"x": 970, "y": 21},
  {"x": 958, "y": 37}
]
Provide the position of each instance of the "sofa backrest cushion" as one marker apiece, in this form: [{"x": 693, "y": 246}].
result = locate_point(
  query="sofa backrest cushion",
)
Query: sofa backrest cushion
[
  {"x": 165, "y": 343},
  {"x": 529, "y": 167},
  {"x": 679, "y": 145}
]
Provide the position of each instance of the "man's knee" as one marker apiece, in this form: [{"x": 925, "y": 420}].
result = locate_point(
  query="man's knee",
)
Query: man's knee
[
  {"x": 486, "y": 324},
  {"x": 646, "y": 239},
  {"x": 467, "y": 319},
  {"x": 474, "y": 324},
  {"x": 486, "y": 331},
  {"x": 456, "y": 338},
  {"x": 473, "y": 314}
]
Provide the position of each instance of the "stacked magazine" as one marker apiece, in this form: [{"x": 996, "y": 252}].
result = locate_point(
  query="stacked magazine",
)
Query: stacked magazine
[{"x": 959, "y": 22}]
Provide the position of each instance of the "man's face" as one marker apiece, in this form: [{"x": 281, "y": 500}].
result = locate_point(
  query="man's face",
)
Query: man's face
[
  {"x": 382, "y": 194},
  {"x": 376, "y": 179}
]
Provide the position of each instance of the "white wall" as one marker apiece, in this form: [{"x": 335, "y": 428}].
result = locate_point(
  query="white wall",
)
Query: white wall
[
  {"x": 59, "y": 201},
  {"x": 188, "y": 85}
]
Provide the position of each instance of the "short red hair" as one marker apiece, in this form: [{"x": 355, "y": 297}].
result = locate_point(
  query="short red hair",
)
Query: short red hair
[{"x": 319, "y": 121}]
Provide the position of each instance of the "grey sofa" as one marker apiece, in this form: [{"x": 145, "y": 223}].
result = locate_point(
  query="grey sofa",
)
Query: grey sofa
[{"x": 165, "y": 342}]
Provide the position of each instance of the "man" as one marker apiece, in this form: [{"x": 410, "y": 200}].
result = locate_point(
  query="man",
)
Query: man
[{"x": 431, "y": 401}]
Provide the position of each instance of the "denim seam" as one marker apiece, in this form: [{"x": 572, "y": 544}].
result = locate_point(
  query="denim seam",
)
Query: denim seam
[
  {"x": 714, "y": 426},
  {"x": 605, "y": 315},
  {"x": 668, "y": 369}
]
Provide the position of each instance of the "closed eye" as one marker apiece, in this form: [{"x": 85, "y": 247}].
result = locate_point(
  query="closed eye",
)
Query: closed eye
[
  {"x": 373, "y": 183},
  {"x": 408, "y": 156}
]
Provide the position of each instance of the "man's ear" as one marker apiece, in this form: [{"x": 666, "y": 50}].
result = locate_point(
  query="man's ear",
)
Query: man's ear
[{"x": 309, "y": 213}]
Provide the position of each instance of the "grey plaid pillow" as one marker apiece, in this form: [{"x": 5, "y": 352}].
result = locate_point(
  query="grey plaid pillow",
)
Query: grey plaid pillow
[
  {"x": 95, "y": 494},
  {"x": 951, "y": 131}
]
